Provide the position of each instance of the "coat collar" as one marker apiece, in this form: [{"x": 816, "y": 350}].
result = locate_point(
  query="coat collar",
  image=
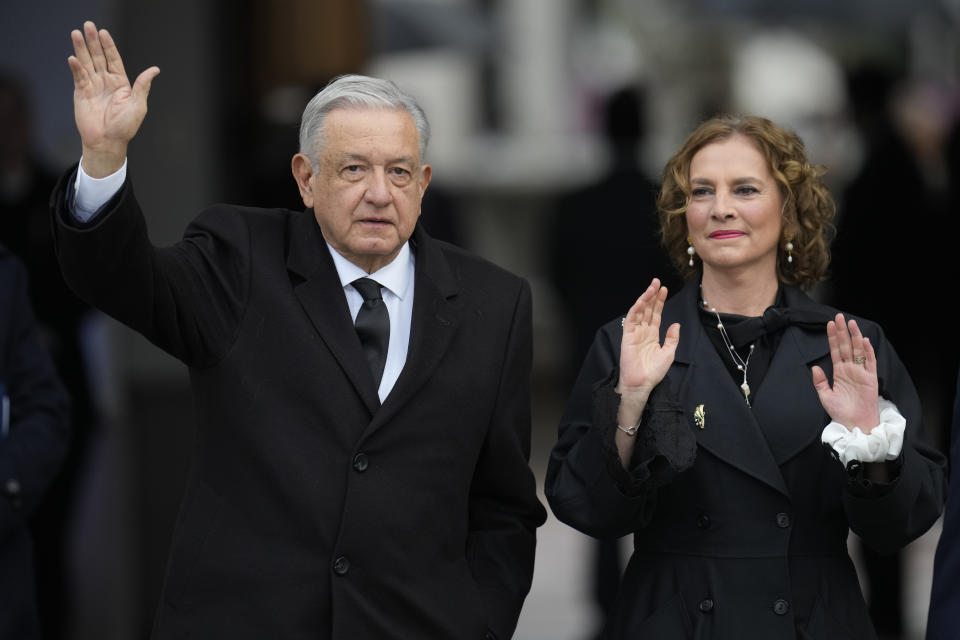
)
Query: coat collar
[
  {"x": 787, "y": 415},
  {"x": 434, "y": 322},
  {"x": 436, "y": 318},
  {"x": 315, "y": 283}
]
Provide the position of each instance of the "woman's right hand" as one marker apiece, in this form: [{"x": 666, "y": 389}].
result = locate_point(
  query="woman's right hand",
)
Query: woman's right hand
[{"x": 643, "y": 360}]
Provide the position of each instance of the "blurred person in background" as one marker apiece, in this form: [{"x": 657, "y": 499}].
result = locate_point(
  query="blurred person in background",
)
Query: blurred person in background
[
  {"x": 739, "y": 429},
  {"x": 605, "y": 228},
  {"x": 25, "y": 187},
  {"x": 870, "y": 210},
  {"x": 884, "y": 233},
  {"x": 942, "y": 623},
  {"x": 34, "y": 439}
]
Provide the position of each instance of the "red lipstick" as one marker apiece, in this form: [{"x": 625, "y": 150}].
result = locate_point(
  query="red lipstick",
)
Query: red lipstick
[{"x": 723, "y": 234}]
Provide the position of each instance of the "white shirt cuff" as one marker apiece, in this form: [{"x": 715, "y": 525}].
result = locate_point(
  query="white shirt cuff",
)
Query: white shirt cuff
[
  {"x": 884, "y": 442},
  {"x": 92, "y": 193}
]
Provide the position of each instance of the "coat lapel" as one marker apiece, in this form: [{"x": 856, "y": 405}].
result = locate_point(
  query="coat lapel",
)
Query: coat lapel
[
  {"x": 436, "y": 318},
  {"x": 315, "y": 283},
  {"x": 787, "y": 405},
  {"x": 730, "y": 430}
]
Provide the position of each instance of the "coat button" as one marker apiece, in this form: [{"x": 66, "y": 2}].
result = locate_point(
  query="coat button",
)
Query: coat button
[
  {"x": 706, "y": 606},
  {"x": 781, "y": 607},
  {"x": 703, "y": 521},
  {"x": 341, "y": 566},
  {"x": 360, "y": 462},
  {"x": 783, "y": 520}
]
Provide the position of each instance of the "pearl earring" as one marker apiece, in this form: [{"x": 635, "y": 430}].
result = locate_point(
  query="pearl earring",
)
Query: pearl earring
[
  {"x": 789, "y": 248},
  {"x": 690, "y": 250}
]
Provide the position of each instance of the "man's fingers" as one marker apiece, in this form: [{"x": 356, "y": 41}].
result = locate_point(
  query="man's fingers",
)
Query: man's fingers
[
  {"x": 92, "y": 38},
  {"x": 94, "y": 47},
  {"x": 111, "y": 55},
  {"x": 141, "y": 86},
  {"x": 80, "y": 49},
  {"x": 80, "y": 78}
]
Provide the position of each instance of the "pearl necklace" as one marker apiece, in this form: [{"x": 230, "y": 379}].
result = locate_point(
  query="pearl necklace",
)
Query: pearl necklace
[{"x": 737, "y": 360}]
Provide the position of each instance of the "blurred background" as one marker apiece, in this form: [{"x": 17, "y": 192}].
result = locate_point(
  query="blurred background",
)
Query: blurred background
[{"x": 551, "y": 120}]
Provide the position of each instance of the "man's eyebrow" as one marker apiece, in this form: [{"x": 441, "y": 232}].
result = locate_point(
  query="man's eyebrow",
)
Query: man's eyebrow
[{"x": 347, "y": 157}]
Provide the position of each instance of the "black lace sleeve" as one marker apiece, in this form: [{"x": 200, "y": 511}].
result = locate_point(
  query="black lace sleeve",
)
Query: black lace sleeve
[{"x": 665, "y": 445}]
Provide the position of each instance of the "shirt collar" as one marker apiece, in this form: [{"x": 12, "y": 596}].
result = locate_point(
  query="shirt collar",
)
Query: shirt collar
[{"x": 395, "y": 276}]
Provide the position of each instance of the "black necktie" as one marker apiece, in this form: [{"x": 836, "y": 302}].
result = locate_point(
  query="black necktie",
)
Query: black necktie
[{"x": 373, "y": 326}]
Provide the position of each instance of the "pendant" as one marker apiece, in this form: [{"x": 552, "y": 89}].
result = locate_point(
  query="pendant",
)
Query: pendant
[{"x": 746, "y": 391}]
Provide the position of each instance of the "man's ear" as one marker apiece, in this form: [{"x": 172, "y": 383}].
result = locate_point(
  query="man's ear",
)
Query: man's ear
[
  {"x": 426, "y": 172},
  {"x": 303, "y": 173}
]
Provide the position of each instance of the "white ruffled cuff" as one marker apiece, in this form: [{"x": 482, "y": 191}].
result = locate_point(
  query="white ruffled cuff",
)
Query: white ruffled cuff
[{"x": 884, "y": 442}]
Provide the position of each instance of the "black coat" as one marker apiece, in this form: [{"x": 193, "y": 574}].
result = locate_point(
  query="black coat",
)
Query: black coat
[
  {"x": 312, "y": 510},
  {"x": 740, "y": 526},
  {"x": 36, "y": 441}
]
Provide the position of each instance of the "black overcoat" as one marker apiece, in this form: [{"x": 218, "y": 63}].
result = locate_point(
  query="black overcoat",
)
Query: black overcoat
[
  {"x": 313, "y": 511},
  {"x": 748, "y": 541}
]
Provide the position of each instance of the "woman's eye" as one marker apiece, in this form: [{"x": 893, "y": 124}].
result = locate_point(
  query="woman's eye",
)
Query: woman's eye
[
  {"x": 700, "y": 191},
  {"x": 747, "y": 190}
]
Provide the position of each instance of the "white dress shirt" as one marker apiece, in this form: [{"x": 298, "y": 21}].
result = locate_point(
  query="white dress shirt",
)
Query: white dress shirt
[{"x": 396, "y": 279}]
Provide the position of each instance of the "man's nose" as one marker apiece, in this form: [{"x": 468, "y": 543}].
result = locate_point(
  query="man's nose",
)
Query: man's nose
[{"x": 378, "y": 189}]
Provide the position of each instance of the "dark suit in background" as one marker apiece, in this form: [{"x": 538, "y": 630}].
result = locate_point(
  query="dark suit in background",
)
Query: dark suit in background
[
  {"x": 945, "y": 597},
  {"x": 943, "y": 622},
  {"x": 874, "y": 218},
  {"x": 34, "y": 438},
  {"x": 25, "y": 186}
]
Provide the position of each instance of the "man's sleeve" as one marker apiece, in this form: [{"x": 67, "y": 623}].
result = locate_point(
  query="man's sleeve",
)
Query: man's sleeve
[{"x": 185, "y": 298}]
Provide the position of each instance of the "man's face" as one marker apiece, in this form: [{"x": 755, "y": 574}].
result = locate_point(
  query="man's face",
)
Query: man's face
[{"x": 367, "y": 189}]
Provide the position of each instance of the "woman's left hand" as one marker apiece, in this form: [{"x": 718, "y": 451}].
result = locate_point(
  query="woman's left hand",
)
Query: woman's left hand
[{"x": 853, "y": 400}]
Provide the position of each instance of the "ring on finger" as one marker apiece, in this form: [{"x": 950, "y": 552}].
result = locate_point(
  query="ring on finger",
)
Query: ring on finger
[{"x": 859, "y": 359}]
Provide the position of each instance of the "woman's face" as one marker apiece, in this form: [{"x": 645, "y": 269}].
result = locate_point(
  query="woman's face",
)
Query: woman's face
[{"x": 734, "y": 217}]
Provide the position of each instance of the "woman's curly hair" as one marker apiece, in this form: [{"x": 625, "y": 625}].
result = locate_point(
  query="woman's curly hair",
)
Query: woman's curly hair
[{"x": 808, "y": 208}]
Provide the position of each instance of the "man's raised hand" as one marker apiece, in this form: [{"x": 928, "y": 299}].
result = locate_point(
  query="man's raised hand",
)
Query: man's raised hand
[{"x": 107, "y": 109}]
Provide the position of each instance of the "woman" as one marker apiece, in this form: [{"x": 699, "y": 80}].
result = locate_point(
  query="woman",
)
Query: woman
[{"x": 696, "y": 423}]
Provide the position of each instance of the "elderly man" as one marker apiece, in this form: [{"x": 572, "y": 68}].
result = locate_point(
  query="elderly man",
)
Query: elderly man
[{"x": 362, "y": 389}]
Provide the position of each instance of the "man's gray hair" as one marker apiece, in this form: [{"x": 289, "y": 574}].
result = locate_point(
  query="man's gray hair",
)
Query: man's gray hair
[{"x": 356, "y": 92}]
